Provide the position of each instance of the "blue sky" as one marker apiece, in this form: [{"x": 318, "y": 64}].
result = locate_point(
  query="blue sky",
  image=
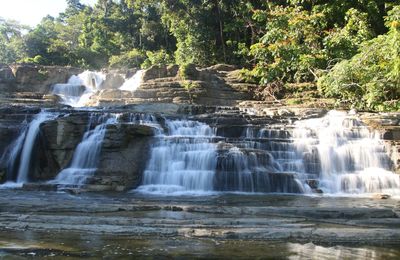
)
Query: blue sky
[{"x": 30, "y": 12}]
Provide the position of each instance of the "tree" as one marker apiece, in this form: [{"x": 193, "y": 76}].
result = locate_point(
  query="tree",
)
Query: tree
[
  {"x": 370, "y": 79},
  {"x": 12, "y": 47}
]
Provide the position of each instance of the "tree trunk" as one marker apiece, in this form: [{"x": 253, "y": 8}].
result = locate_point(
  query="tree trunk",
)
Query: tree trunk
[{"x": 221, "y": 29}]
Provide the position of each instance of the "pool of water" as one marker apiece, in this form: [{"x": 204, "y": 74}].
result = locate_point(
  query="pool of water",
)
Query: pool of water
[{"x": 28, "y": 242}]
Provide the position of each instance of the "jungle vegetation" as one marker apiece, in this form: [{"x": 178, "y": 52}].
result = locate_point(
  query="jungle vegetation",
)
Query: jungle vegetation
[{"x": 347, "y": 50}]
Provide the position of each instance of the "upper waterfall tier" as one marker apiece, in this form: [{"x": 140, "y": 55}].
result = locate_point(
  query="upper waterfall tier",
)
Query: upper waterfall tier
[{"x": 79, "y": 88}]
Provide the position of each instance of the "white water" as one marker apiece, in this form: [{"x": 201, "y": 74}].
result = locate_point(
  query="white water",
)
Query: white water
[
  {"x": 87, "y": 153},
  {"x": 183, "y": 161},
  {"x": 80, "y": 88},
  {"x": 13, "y": 151},
  {"x": 134, "y": 82},
  {"x": 352, "y": 159},
  {"x": 28, "y": 145}
]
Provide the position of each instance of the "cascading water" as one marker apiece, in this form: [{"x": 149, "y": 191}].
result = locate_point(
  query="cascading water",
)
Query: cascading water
[
  {"x": 19, "y": 157},
  {"x": 184, "y": 160},
  {"x": 79, "y": 88},
  {"x": 134, "y": 82},
  {"x": 30, "y": 138},
  {"x": 259, "y": 161},
  {"x": 12, "y": 154},
  {"x": 350, "y": 158},
  {"x": 87, "y": 153}
]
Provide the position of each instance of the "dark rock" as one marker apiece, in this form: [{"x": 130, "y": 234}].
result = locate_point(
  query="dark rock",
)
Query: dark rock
[
  {"x": 39, "y": 187},
  {"x": 57, "y": 143},
  {"x": 313, "y": 184},
  {"x": 189, "y": 72},
  {"x": 124, "y": 155}
]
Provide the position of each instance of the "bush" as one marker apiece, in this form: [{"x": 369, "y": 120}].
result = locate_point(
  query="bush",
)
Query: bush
[
  {"x": 131, "y": 59},
  {"x": 159, "y": 58},
  {"x": 188, "y": 71},
  {"x": 38, "y": 59}
]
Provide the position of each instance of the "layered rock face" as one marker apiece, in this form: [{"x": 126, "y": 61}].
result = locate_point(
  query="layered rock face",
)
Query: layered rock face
[
  {"x": 122, "y": 158},
  {"x": 248, "y": 133},
  {"x": 388, "y": 125},
  {"x": 217, "y": 86},
  {"x": 30, "y": 84}
]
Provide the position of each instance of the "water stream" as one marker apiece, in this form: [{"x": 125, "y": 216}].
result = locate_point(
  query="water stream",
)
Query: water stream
[{"x": 19, "y": 157}]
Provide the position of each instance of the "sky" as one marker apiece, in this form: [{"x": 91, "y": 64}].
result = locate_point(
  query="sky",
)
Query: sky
[{"x": 30, "y": 12}]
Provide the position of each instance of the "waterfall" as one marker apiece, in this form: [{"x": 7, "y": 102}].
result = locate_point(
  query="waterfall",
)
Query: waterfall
[
  {"x": 28, "y": 146},
  {"x": 350, "y": 158},
  {"x": 183, "y": 160},
  {"x": 19, "y": 154},
  {"x": 134, "y": 82},
  {"x": 79, "y": 88},
  {"x": 12, "y": 154},
  {"x": 87, "y": 153},
  {"x": 260, "y": 160}
]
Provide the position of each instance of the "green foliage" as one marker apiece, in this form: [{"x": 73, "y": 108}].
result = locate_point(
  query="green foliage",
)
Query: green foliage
[
  {"x": 35, "y": 60},
  {"x": 343, "y": 43},
  {"x": 371, "y": 79},
  {"x": 291, "y": 48},
  {"x": 278, "y": 42},
  {"x": 187, "y": 71},
  {"x": 189, "y": 85},
  {"x": 12, "y": 47},
  {"x": 159, "y": 58},
  {"x": 131, "y": 59}
]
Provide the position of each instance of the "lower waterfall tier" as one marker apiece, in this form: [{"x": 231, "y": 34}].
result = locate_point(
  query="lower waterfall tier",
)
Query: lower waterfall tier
[{"x": 225, "y": 151}]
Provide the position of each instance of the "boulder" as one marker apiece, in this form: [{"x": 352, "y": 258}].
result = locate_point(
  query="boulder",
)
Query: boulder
[
  {"x": 58, "y": 140},
  {"x": 223, "y": 67},
  {"x": 114, "y": 94},
  {"x": 6, "y": 74},
  {"x": 189, "y": 71},
  {"x": 125, "y": 152},
  {"x": 113, "y": 81},
  {"x": 7, "y": 79},
  {"x": 156, "y": 72}
]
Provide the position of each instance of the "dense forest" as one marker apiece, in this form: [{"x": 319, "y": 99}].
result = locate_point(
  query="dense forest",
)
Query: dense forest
[{"x": 348, "y": 50}]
